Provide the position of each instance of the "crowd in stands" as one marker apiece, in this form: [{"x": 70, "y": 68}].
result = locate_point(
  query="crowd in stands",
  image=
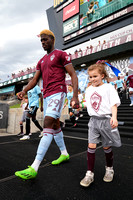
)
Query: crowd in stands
[
  {"x": 23, "y": 72},
  {"x": 89, "y": 49}
]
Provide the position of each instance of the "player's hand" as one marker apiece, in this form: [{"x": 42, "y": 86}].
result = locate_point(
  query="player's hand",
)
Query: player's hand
[
  {"x": 41, "y": 109},
  {"x": 20, "y": 94},
  {"x": 74, "y": 103}
]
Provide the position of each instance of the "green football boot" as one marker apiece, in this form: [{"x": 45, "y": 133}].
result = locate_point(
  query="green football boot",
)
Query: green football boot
[
  {"x": 62, "y": 158},
  {"x": 26, "y": 174}
]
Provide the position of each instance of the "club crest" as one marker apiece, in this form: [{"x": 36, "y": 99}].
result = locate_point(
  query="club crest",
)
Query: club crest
[
  {"x": 67, "y": 58},
  {"x": 52, "y": 57},
  {"x": 95, "y": 101}
]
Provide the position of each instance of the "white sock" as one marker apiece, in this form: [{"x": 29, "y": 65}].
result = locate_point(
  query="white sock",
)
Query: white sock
[
  {"x": 36, "y": 164},
  {"x": 64, "y": 152},
  {"x": 58, "y": 137}
]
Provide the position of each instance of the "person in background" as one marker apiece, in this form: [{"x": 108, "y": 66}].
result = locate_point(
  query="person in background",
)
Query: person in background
[
  {"x": 52, "y": 67},
  {"x": 33, "y": 98},
  {"x": 24, "y": 106},
  {"x": 101, "y": 3},
  {"x": 81, "y": 105},
  {"x": 90, "y": 12},
  {"x": 130, "y": 83},
  {"x": 119, "y": 84},
  {"x": 102, "y": 101},
  {"x": 71, "y": 110}
]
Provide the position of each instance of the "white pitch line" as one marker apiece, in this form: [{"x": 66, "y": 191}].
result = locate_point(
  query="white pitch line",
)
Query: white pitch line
[{"x": 77, "y": 138}]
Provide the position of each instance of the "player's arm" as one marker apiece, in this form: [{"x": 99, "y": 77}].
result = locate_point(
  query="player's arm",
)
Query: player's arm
[
  {"x": 30, "y": 85},
  {"x": 74, "y": 79},
  {"x": 41, "y": 100}
]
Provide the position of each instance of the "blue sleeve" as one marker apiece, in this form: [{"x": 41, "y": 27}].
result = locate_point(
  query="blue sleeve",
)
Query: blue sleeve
[{"x": 38, "y": 89}]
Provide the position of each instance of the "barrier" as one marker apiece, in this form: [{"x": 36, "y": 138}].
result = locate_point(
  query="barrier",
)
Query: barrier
[{"x": 4, "y": 110}]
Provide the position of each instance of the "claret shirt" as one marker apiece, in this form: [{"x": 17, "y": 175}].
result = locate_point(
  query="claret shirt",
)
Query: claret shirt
[
  {"x": 52, "y": 67},
  {"x": 130, "y": 79}
]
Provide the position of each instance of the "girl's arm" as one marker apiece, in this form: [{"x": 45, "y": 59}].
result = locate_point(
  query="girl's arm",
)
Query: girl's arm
[{"x": 113, "y": 120}]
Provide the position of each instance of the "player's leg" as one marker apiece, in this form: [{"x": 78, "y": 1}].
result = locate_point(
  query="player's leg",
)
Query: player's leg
[
  {"x": 55, "y": 104},
  {"x": 58, "y": 137},
  {"x": 108, "y": 177},
  {"x": 48, "y": 131},
  {"x": 54, "y": 110}
]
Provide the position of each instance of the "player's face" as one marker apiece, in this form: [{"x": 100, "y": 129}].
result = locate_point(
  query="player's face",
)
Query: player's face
[
  {"x": 95, "y": 78},
  {"x": 47, "y": 43}
]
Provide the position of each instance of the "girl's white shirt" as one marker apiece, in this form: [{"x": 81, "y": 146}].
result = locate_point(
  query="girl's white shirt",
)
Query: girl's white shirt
[{"x": 99, "y": 100}]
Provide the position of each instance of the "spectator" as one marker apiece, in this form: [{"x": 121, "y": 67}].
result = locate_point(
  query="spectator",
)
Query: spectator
[
  {"x": 24, "y": 106},
  {"x": 81, "y": 20},
  {"x": 90, "y": 12},
  {"x": 68, "y": 101},
  {"x": 101, "y": 3},
  {"x": 119, "y": 84},
  {"x": 96, "y": 5},
  {"x": 130, "y": 82},
  {"x": 33, "y": 98}
]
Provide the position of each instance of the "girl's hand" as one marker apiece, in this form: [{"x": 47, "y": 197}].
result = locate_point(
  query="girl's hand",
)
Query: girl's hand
[{"x": 113, "y": 122}]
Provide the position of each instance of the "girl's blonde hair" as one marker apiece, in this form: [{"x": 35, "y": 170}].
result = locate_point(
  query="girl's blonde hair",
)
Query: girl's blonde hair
[{"x": 101, "y": 69}]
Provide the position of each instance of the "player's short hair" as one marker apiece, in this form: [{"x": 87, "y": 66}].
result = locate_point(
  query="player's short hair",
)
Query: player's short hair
[{"x": 47, "y": 32}]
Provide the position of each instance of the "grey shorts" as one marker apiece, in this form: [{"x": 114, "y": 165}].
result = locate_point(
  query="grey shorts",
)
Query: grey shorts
[
  {"x": 100, "y": 130},
  {"x": 23, "y": 119}
]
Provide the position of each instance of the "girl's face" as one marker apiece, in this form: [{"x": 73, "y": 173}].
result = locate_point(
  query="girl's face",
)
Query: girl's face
[{"x": 96, "y": 78}]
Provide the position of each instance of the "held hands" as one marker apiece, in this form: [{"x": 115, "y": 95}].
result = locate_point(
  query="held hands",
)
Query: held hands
[
  {"x": 74, "y": 103},
  {"x": 113, "y": 122},
  {"x": 21, "y": 94},
  {"x": 41, "y": 109}
]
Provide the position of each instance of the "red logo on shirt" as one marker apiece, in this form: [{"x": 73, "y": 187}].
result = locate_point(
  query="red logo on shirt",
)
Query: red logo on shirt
[{"x": 95, "y": 101}]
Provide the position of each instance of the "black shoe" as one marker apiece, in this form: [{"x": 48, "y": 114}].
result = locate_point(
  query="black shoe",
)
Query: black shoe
[{"x": 20, "y": 134}]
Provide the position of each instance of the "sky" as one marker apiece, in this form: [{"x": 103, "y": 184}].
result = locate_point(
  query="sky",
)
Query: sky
[{"x": 20, "y": 23}]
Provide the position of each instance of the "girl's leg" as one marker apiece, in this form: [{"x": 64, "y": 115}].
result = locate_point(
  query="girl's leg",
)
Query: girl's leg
[
  {"x": 89, "y": 177},
  {"x": 109, "y": 156},
  {"x": 91, "y": 157},
  {"x": 109, "y": 173}
]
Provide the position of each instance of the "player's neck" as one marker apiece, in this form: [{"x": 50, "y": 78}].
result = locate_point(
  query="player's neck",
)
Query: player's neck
[{"x": 50, "y": 50}]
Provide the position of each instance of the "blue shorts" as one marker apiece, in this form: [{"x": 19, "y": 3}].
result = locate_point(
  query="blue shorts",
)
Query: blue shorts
[{"x": 52, "y": 105}]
